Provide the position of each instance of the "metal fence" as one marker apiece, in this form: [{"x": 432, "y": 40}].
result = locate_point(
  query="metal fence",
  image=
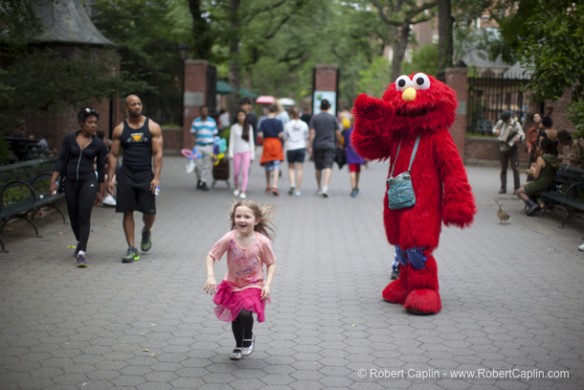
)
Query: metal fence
[{"x": 489, "y": 97}]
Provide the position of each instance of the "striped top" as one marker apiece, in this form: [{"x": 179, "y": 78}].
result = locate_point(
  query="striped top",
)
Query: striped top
[{"x": 204, "y": 130}]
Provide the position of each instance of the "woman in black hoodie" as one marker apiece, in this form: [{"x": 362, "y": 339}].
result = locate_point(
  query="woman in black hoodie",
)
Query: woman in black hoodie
[{"x": 79, "y": 152}]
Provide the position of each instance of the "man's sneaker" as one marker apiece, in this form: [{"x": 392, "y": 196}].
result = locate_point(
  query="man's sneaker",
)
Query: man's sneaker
[
  {"x": 236, "y": 354},
  {"x": 146, "y": 243},
  {"x": 394, "y": 274},
  {"x": 81, "y": 261},
  {"x": 291, "y": 191},
  {"x": 109, "y": 201},
  {"x": 131, "y": 256},
  {"x": 204, "y": 186},
  {"x": 76, "y": 253}
]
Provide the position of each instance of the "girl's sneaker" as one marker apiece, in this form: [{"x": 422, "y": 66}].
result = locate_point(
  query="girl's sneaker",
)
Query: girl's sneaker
[
  {"x": 242, "y": 195},
  {"x": 246, "y": 351},
  {"x": 236, "y": 192},
  {"x": 236, "y": 354}
]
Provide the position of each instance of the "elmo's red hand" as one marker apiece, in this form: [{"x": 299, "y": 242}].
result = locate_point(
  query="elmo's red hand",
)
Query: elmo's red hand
[{"x": 371, "y": 133}]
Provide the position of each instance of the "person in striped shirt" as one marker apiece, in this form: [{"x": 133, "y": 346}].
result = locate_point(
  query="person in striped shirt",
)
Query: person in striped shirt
[{"x": 204, "y": 130}]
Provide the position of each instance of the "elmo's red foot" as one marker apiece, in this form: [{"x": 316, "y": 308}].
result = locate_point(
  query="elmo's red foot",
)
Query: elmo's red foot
[
  {"x": 423, "y": 301},
  {"x": 395, "y": 292}
]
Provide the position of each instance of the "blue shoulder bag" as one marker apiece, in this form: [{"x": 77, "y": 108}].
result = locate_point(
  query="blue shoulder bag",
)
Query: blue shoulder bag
[{"x": 401, "y": 192}]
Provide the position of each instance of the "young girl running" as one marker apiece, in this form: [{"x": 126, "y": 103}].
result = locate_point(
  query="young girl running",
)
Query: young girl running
[
  {"x": 243, "y": 291},
  {"x": 241, "y": 152}
]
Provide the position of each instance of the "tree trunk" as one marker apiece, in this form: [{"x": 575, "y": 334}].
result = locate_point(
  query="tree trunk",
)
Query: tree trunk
[
  {"x": 399, "y": 47},
  {"x": 202, "y": 40},
  {"x": 445, "y": 39},
  {"x": 234, "y": 58}
]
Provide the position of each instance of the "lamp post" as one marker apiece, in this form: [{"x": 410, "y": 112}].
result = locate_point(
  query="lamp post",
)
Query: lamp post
[{"x": 184, "y": 51}]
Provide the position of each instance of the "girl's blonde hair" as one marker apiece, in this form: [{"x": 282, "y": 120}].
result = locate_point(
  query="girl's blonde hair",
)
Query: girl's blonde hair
[{"x": 262, "y": 213}]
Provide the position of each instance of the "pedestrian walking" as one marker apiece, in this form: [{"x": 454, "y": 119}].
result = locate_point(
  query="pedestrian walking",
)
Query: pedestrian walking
[
  {"x": 140, "y": 139},
  {"x": 324, "y": 135},
  {"x": 241, "y": 152},
  {"x": 244, "y": 290},
  {"x": 295, "y": 137},
  {"x": 354, "y": 160},
  {"x": 271, "y": 133},
  {"x": 75, "y": 167},
  {"x": 204, "y": 131},
  {"x": 252, "y": 118}
]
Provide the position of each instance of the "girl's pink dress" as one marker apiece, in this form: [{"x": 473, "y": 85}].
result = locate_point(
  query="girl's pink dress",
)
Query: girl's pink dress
[{"x": 241, "y": 287}]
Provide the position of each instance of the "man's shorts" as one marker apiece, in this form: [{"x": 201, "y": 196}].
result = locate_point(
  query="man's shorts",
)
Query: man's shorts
[
  {"x": 296, "y": 155},
  {"x": 133, "y": 192},
  {"x": 271, "y": 165},
  {"x": 323, "y": 158}
]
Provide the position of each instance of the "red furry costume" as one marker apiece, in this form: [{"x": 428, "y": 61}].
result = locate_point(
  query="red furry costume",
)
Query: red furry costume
[{"x": 420, "y": 105}]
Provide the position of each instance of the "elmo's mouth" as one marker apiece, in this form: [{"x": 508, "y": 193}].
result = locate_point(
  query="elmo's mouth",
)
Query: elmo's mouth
[{"x": 413, "y": 112}]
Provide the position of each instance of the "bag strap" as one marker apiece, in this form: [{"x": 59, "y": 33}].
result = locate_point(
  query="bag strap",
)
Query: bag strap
[{"x": 414, "y": 151}]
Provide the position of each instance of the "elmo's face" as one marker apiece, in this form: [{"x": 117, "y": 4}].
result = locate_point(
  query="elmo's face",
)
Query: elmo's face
[{"x": 421, "y": 103}]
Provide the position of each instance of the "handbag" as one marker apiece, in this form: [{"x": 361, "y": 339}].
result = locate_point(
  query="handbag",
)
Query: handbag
[{"x": 401, "y": 193}]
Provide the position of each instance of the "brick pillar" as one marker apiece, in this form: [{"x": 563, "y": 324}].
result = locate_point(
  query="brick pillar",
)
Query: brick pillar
[
  {"x": 325, "y": 86},
  {"x": 457, "y": 79},
  {"x": 194, "y": 95}
]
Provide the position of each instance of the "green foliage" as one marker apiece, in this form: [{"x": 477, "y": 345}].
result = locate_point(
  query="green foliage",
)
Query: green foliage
[
  {"x": 18, "y": 26},
  {"x": 547, "y": 38},
  {"x": 375, "y": 79},
  {"x": 544, "y": 35},
  {"x": 424, "y": 59},
  {"x": 576, "y": 113},
  {"x": 37, "y": 79},
  {"x": 43, "y": 80},
  {"x": 148, "y": 46}
]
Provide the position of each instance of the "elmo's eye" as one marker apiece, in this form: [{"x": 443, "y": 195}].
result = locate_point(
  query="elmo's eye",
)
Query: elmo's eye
[
  {"x": 421, "y": 81},
  {"x": 402, "y": 83}
]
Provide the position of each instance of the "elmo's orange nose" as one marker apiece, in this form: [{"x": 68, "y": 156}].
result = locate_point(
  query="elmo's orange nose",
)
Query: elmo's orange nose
[{"x": 409, "y": 95}]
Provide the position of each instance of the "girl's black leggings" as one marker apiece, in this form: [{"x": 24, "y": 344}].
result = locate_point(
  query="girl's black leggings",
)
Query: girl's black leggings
[
  {"x": 242, "y": 328},
  {"x": 80, "y": 197}
]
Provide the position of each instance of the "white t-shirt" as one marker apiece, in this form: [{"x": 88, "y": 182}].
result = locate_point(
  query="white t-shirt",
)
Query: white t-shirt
[
  {"x": 238, "y": 144},
  {"x": 295, "y": 134}
]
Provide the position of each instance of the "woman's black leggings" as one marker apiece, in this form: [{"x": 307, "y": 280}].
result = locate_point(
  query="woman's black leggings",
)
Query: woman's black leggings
[
  {"x": 242, "y": 328},
  {"x": 80, "y": 197}
]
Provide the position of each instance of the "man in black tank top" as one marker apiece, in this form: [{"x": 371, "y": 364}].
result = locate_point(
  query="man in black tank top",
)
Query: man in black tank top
[{"x": 139, "y": 175}]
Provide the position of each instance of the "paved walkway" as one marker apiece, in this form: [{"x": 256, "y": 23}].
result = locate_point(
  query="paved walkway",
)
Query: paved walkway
[{"x": 513, "y": 300}]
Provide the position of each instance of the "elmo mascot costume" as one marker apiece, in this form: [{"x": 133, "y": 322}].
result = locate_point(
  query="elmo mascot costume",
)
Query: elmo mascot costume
[{"x": 416, "y": 110}]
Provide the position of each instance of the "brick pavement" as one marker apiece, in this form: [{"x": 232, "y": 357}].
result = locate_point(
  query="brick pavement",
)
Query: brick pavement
[{"x": 512, "y": 299}]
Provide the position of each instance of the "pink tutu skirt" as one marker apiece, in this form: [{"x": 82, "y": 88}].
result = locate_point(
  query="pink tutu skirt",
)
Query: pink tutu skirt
[{"x": 230, "y": 303}]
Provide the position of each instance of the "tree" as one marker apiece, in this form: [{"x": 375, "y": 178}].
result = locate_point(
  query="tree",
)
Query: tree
[
  {"x": 38, "y": 79},
  {"x": 546, "y": 37},
  {"x": 399, "y": 16},
  {"x": 424, "y": 59},
  {"x": 445, "y": 36},
  {"x": 148, "y": 47}
]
